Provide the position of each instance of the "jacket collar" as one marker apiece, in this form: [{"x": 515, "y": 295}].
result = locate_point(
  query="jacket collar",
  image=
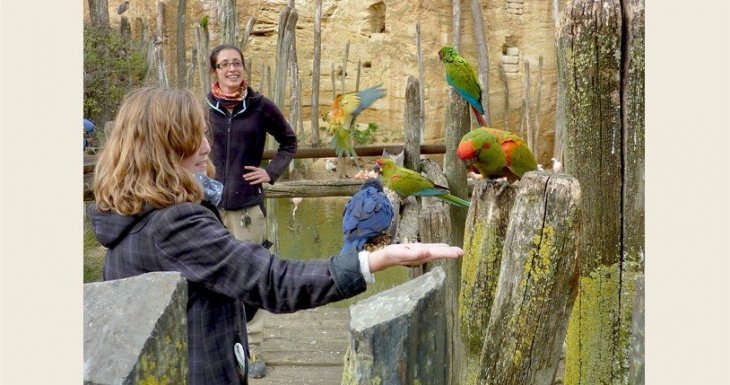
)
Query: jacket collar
[{"x": 252, "y": 98}]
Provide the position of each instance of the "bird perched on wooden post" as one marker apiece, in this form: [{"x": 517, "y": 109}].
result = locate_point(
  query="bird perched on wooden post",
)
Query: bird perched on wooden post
[
  {"x": 407, "y": 182},
  {"x": 462, "y": 76},
  {"x": 496, "y": 154},
  {"x": 123, "y": 7},
  {"x": 367, "y": 215}
]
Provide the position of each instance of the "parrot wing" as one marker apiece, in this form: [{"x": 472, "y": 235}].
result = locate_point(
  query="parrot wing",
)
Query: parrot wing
[
  {"x": 367, "y": 214},
  {"x": 519, "y": 157},
  {"x": 407, "y": 182},
  {"x": 461, "y": 75},
  {"x": 354, "y": 103}
]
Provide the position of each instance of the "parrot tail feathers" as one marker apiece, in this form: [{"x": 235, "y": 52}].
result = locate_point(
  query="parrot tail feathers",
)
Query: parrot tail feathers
[
  {"x": 341, "y": 142},
  {"x": 454, "y": 200},
  {"x": 480, "y": 118},
  {"x": 357, "y": 245}
]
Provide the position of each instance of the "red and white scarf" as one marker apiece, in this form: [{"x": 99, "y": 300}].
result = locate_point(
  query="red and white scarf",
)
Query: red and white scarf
[{"x": 230, "y": 100}]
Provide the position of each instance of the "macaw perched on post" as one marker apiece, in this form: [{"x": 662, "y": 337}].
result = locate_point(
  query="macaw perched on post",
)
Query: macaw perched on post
[
  {"x": 408, "y": 182},
  {"x": 342, "y": 115},
  {"x": 462, "y": 76},
  {"x": 496, "y": 153},
  {"x": 367, "y": 214}
]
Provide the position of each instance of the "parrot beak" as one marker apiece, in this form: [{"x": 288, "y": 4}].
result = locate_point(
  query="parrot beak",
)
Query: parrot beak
[{"x": 376, "y": 169}]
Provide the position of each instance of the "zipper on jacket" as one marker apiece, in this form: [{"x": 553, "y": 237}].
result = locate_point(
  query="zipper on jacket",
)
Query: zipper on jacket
[{"x": 228, "y": 153}]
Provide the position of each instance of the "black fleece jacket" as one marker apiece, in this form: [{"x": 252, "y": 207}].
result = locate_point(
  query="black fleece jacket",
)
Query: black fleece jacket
[{"x": 238, "y": 141}]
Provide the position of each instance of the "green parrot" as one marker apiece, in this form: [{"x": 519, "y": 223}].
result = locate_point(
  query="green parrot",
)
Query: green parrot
[
  {"x": 342, "y": 114},
  {"x": 408, "y": 182},
  {"x": 496, "y": 153},
  {"x": 462, "y": 76}
]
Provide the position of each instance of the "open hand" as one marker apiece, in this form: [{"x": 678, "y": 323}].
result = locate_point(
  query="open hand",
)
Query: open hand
[
  {"x": 412, "y": 254},
  {"x": 256, "y": 175}
]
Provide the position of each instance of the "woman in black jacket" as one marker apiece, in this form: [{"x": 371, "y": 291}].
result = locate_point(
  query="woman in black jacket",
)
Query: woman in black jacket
[
  {"x": 240, "y": 119},
  {"x": 152, "y": 213}
]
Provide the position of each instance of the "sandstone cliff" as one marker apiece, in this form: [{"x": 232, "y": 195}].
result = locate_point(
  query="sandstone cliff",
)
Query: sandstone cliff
[{"x": 382, "y": 35}]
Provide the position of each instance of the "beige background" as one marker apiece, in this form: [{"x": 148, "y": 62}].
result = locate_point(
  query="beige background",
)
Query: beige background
[{"x": 41, "y": 315}]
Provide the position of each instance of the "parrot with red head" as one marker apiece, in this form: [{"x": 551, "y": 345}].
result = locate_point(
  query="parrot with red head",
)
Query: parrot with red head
[{"x": 495, "y": 153}]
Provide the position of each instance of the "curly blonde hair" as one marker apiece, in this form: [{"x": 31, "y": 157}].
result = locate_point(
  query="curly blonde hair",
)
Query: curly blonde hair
[{"x": 154, "y": 130}]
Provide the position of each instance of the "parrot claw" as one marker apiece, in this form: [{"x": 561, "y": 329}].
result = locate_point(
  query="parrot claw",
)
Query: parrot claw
[{"x": 504, "y": 186}]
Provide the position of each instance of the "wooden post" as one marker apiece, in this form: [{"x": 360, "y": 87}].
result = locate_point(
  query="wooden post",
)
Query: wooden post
[
  {"x": 280, "y": 63},
  {"x": 332, "y": 77},
  {"x": 456, "y": 24},
  {"x": 180, "y": 45},
  {"x": 248, "y": 66},
  {"x": 316, "y": 57},
  {"x": 99, "y": 13},
  {"x": 344, "y": 67},
  {"x": 536, "y": 140},
  {"x": 125, "y": 30},
  {"x": 227, "y": 18},
  {"x": 537, "y": 283},
  {"x": 193, "y": 67},
  {"x": 486, "y": 230},
  {"x": 269, "y": 88},
  {"x": 421, "y": 84},
  {"x": 602, "y": 52},
  {"x": 247, "y": 32},
  {"x": 503, "y": 76},
  {"x": 202, "y": 39},
  {"x": 526, "y": 127},
  {"x": 411, "y": 160},
  {"x": 482, "y": 56},
  {"x": 559, "y": 142},
  {"x": 357, "y": 77},
  {"x": 262, "y": 79}
]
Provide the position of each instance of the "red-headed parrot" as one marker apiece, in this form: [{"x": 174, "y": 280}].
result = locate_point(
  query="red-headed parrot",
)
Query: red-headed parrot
[
  {"x": 496, "y": 153},
  {"x": 367, "y": 214},
  {"x": 462, "y": 76},
  {"x": 408, "y": 182},
  {"x": 342, "y": 114}
]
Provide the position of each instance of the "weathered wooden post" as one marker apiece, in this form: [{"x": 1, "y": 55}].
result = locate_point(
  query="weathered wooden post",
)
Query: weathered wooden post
[
  {"x": 316, "y": 57},
  {"x": 180, "y": 46},
  {"x": 486, "y": 229},
  {"x": 537, "y": 283},
  {"x": 202, "y": 39},
  {"x": 435, "y": 226},
  {"x": 408, "y": 225},
  {"x": 421, "y": 83},
  {"x": 482, "y": 56},
  {"x": 99, "y": 13},
  {"x": 227, "y": 16},
  {"x": 247, "y": 33},
  {"x": 602, "y": 51},
  {"x": 458, "y": 124}
]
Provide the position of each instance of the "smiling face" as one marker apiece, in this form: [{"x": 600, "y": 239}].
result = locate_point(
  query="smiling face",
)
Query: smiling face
[
  {"x": 230, "y": 76},
  {"x": 198, "y": 162}
]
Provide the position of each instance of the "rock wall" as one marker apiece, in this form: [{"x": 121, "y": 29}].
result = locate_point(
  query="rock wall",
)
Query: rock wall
[{"x": 382, "y": 35}]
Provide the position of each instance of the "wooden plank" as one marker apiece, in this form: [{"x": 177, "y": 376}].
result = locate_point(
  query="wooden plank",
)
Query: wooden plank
[{"x": 300, "y": 375}]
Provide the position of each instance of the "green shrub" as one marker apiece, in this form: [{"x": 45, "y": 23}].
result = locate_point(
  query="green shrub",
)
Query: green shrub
[
  {"x": 113, "y": 66},
  {"x": 366, "y": 136}
]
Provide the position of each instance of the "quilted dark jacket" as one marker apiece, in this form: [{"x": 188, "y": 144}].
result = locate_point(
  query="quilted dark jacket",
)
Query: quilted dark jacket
[
  {"x": 220, "y": 271},
  {"x": 238, "y": 140}
]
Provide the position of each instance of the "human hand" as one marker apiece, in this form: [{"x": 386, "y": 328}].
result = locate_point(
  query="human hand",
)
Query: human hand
[
  {"x": 411, "y": 254},
  {"x": 256, "y": 175}
]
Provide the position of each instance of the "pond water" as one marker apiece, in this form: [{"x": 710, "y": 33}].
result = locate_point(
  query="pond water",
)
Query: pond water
[{"x": 315, "y": 232}]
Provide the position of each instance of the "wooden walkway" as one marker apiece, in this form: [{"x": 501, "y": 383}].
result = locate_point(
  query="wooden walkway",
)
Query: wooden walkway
[{"x": 306, "y": 347}]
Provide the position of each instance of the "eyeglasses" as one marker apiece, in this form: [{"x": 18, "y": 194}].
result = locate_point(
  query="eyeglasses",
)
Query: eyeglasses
[{"x": 235, "y": 64}]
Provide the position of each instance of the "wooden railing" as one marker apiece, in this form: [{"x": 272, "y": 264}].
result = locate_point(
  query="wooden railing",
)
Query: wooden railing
[{"x": 300, "y": 188}]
